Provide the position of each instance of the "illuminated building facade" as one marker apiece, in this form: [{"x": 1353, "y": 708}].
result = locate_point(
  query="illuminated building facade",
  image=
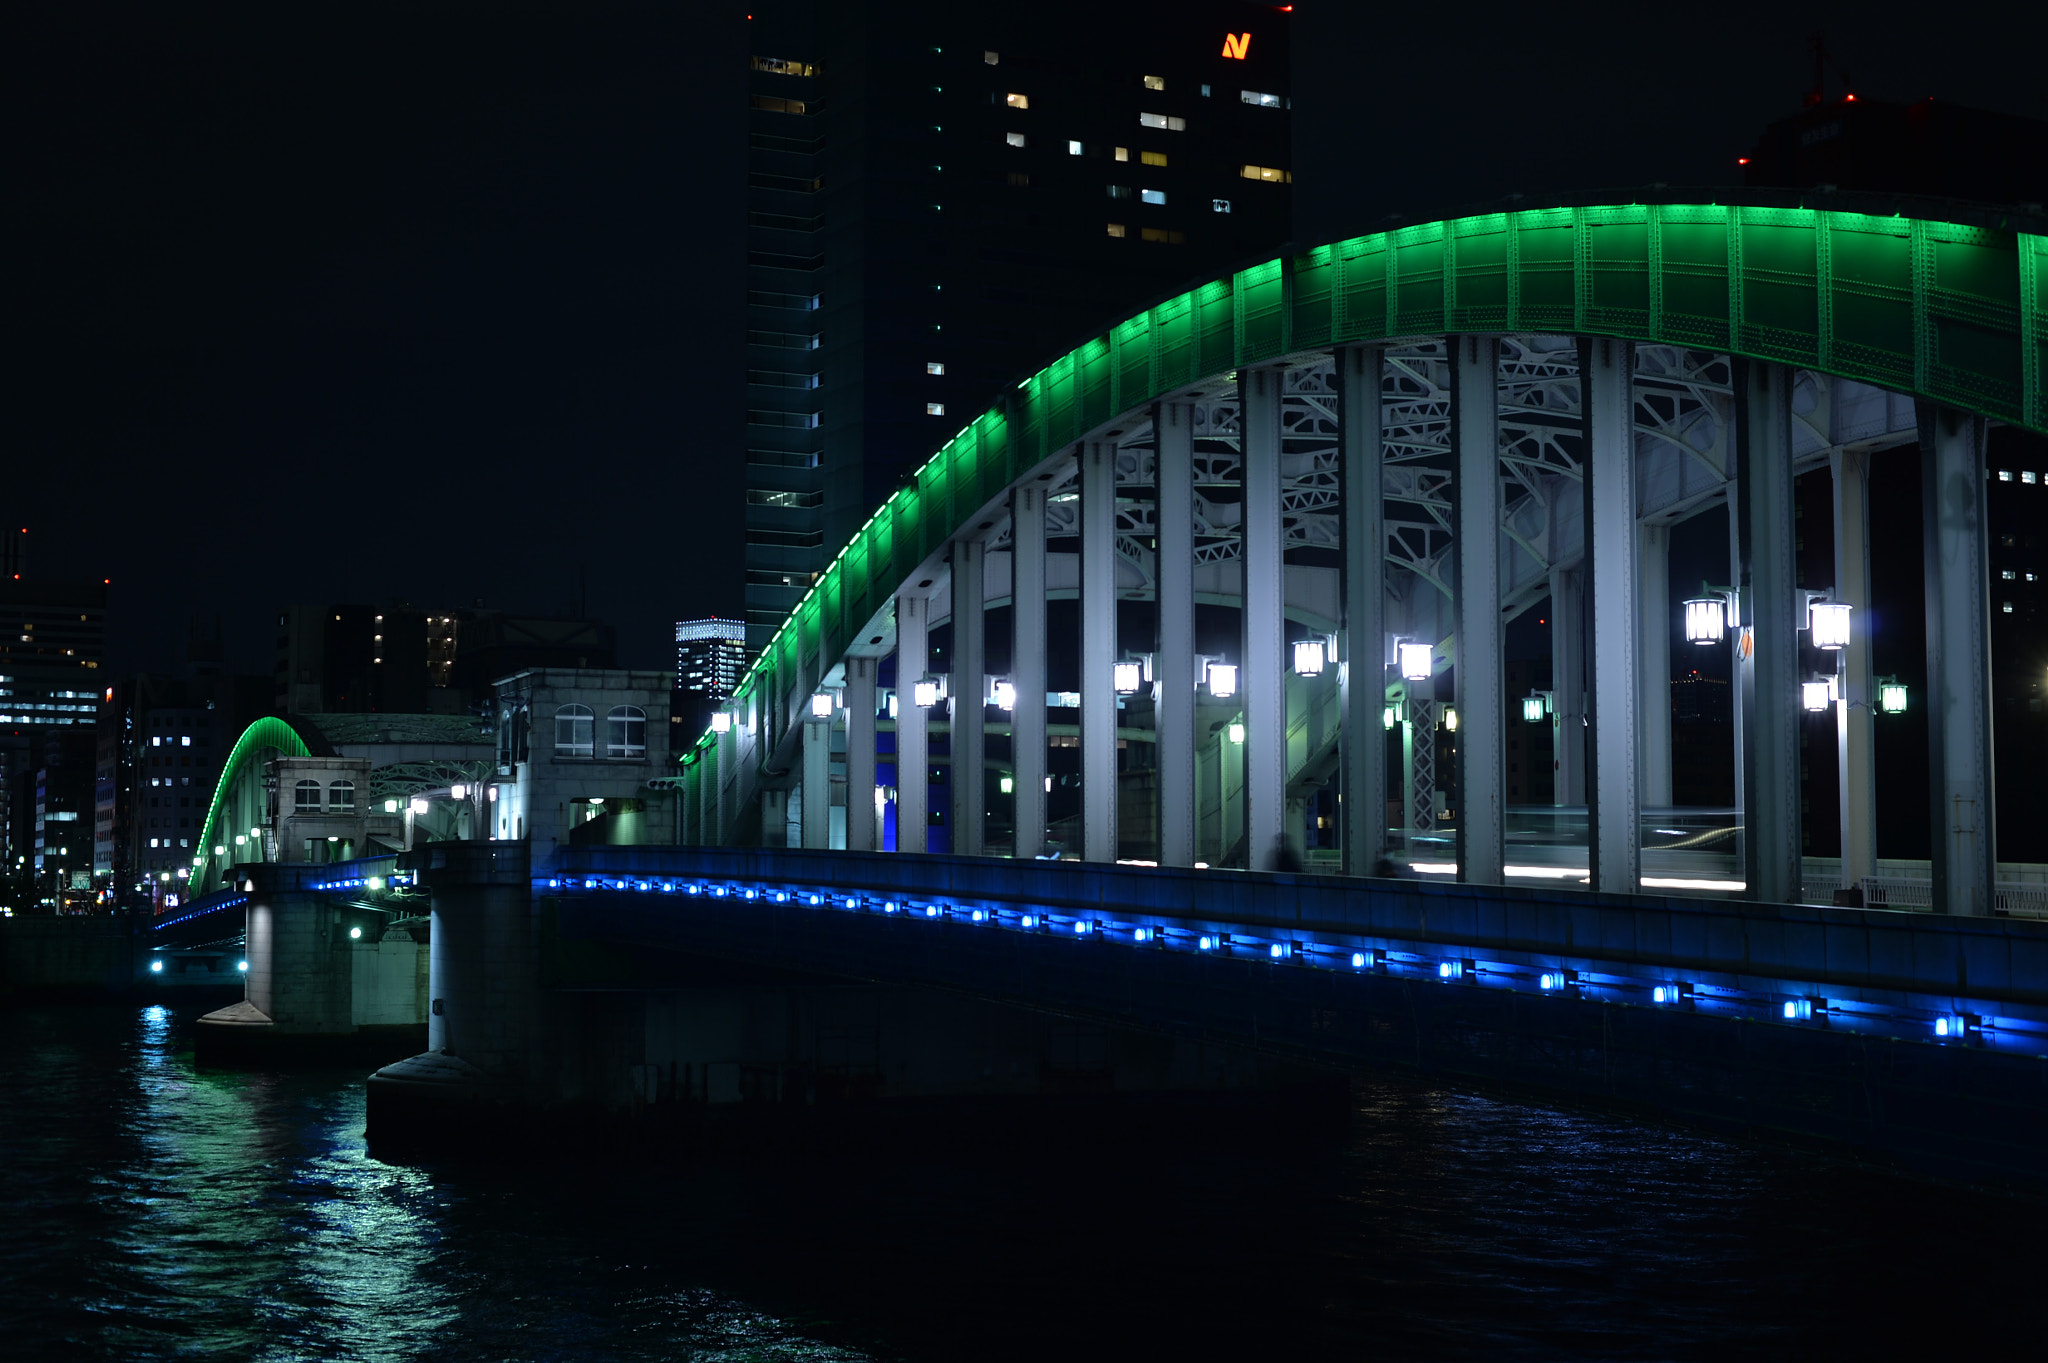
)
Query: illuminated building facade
[{"x": 939, "y": 196}]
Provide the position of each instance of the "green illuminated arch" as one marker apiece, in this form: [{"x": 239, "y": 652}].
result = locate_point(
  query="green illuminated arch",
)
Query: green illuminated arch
[
  {"x": 1952, "y": 314},
  {"x": 267, "y": 737}
]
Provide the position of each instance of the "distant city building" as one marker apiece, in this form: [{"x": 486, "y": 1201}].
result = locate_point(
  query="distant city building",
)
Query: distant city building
[
  {"x": 711, "y": 656},
  {"x": 61, "y": 854},
  {"x": 941, "y": 197},
  {"x": 1941, "y": 150},
  {"x": 405, "y": 659},
  {"x": 53, "y": 641}
]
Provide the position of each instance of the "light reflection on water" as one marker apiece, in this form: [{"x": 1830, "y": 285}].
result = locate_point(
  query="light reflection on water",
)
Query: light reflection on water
[{"x": 148, "y": 1211}]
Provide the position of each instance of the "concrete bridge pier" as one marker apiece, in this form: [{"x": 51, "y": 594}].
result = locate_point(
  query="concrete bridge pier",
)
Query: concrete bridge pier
[
  {"x": 484, "y": 1025},
  {"x": 325, "y": 981}
]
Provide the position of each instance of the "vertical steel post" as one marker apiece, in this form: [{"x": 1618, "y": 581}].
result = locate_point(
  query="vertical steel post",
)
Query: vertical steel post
[
  {"x": 1362, "y": 642},
  {"x": 817, "y": 797},
  {"x": 1173, "y": 667},
  {"x": 1027, "y": 666},
  {"x": 1568, "y": 685},
  {"x": 1653, "y": 661},
  {"x": 1958, "y": 571},
  {"x": 913, "y": 765},
  {"x": 725, "y": 773},
  {"x": 859, "y": 699},
  {"x": 1263, "y": 668},
  {"x": 1855, "y": 774},
  {"x": 969, "y": 700},
  {"x": 1098, "y": 650},
  {"x": 1614, "y": 822},
  {"x": 1766, "y": 579},
  {"x": 1482, "y": 712}
]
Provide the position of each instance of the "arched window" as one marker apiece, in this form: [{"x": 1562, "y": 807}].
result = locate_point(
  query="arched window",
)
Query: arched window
[
  {"x": 575, "y": 731},
  {"x": 341, "y": 795},
  {"x": 628, "y": 736},
  {"x": 306, "y": 797}
]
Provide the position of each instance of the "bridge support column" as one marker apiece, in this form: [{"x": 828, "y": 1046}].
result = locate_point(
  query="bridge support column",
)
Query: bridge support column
[
  {"x": 1173, "y": 667},
  {"x": 1614, "y": 823},
  {"x": 1769, "y": 677},
  {"x": 1263, "y": 673},
  {"x": 860, "y": 754},
  {"x": 1568, "y": 686},
  {"x": 1653, "y": 660},
  {"x": 817, "y": 796},
  {"x": 913, "y": 765},
  {"x": 1482, "y": 709},
  {"x": 1952, "y": 456},
  {"x": 1362, "y": 642},
  {"x": 968, "y": 700},
  {"x": 1855, "y": 773},
  {"x": 1098, "y": 650},
  {"x": 724, "y": 771},
  {"x": 1027, "y": 667}
]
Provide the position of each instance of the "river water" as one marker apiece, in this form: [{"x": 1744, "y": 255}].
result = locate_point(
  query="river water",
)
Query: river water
[{"x": 152, "y": 1211}]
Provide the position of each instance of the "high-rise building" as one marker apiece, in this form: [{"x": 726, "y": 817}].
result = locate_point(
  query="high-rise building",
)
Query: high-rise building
[
  {"x": 941, "y": 197},
  {"x": 53, "y": 638},
  {"x": 398, "y": 658},
  {"x": 711, "y": 656}
]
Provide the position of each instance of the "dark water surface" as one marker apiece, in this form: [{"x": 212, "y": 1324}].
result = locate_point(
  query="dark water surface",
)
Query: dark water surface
[{"x": 150, "y": 1211}]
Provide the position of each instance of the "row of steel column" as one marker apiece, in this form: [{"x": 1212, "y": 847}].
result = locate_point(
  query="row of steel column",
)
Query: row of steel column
[{"x": 1611, "y": 661}]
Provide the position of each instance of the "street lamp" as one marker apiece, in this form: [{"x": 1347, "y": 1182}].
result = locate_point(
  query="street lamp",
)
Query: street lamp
[
  {"x": 721, "y": 722},
  {"x": 1415, "y": 661},
  {"x": 1006, "y": 695},
  {"x": 1816, "y": 695},
  {"x": 1535, "y": 705},
  {"x": 1222, "y": 679},
  {"x": 925, "y": 691},
  {"x": 1386, "y": 717},
  {"x": 1130, "y": 677},
  {"x": 1829, "y": 623},
  {"x": 1705, "y": 619},
  {"x": 1891, "y": 695},
  {"x": 1450, "y": 719},
  {"x": 1308, "y": 657},
  {"x": 1236, "y": 732},
  {"x": 821, "y": 705}
]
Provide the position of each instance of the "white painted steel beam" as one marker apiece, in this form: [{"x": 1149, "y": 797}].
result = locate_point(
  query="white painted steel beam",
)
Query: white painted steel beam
[
  {"x": 1568, "y": 685},
  {"x": 1173, "y": 666},
  {"x": 968, "y": 701},
  {"x": 1263, "y": 665},
  {"x": 1027, "y": 665},
  {"x": 1098, "y": 650},
  {"x": 817, "y": 796},
  {"x": 1482, "y": 769},
  {"x": 1653, "y": 660},
  {"x": 913, "y": 765},
  {"x": 1614, "y": 824},
  {"x": 1854, "y": 771},
  {"x": 1769, "y": 691},
  {"x": 859, "y": 698},
  {"x": 1952, "y": 458},
  {"x": 1362, "y": 641}
]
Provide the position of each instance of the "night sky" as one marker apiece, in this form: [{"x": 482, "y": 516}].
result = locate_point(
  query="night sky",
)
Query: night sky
[{"x": 440, "y": 301}]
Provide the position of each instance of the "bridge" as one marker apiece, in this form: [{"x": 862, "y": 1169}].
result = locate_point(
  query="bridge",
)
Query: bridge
[{"x": 1049, "y": 738}]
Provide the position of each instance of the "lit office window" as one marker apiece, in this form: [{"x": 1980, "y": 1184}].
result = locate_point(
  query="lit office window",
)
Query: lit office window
[
  {"x": 1073, "y": 147},
  {"x": 2027, "y": 478},
  {"x": 1152, "y": 158},
  {"x": 2009, "y": 575},
  {"x": 935, "y": 409},
  {"x": 1122, "y": 153},
  {"x": 1119, "y": 191},
  {"x": 934, "y": 366},
  {"x": 1260, "y": 98},
  {"x": 1205, "y": 92},
  {"x": 1017, "y": 101},
  {"x": 1155, "y": 82},
  {"x": 1014, "y": 139},
  {"x": 2005, "y": 475},
  {"x": 1116, "y": 229},
  {"x": 1219, "y": 205},
  {"x": 1169, "y": 122},
  {"x": 1152, "y": 196},
  {"x": 1162, "y": 234},
  {"x": 1270, "y": 174},
  {"x": 2008, "y": 608},
  {"x": 992, "y": 58}
]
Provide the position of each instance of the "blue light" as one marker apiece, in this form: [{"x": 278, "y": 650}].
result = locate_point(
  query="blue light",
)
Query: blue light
[
  {"x": 643, "y": 885},
  {"x": 1357, "y": 960},
  {"x": 1140, "y": 935},
  {"x": 1276, "y": 951},
  {"x": 589, "y": 884},
  {"x": 815, "y": 901},
  {"x": 779, "y": 896},
  {"x": 1798, "y": 1010},
  {"x": 1028, "y": 921},
  {"x": 242, "y": 965},
  {"x": 1552, "y": 979},
  {"x": 931, "y": 911},
  {"x": 852, "y": 903},
  {"x": 696, "y": 889},
  {"x": 156, "y": 967},
  {"x": 554, "y": 884},
  {"x": 667, "y": 885},
  {"x": 1450, "y": 970},
  {"x": 1080, "y": 925},
  {"x": 751, "y": 893},
  {"x": 889, "y": 907},
  {"x": 719, "y": 891},
  {"x": 1208, "y": 944},
  {"x": 978, "y": 915}
]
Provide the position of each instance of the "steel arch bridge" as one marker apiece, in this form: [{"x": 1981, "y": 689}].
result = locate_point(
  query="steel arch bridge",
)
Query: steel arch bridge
[{"x": 1483, "y": 369}]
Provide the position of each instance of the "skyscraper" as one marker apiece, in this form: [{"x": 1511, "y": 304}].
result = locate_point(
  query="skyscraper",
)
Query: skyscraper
[
  {"x": 710, "y": 657},
  {"x": 942, "y": 197}
]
